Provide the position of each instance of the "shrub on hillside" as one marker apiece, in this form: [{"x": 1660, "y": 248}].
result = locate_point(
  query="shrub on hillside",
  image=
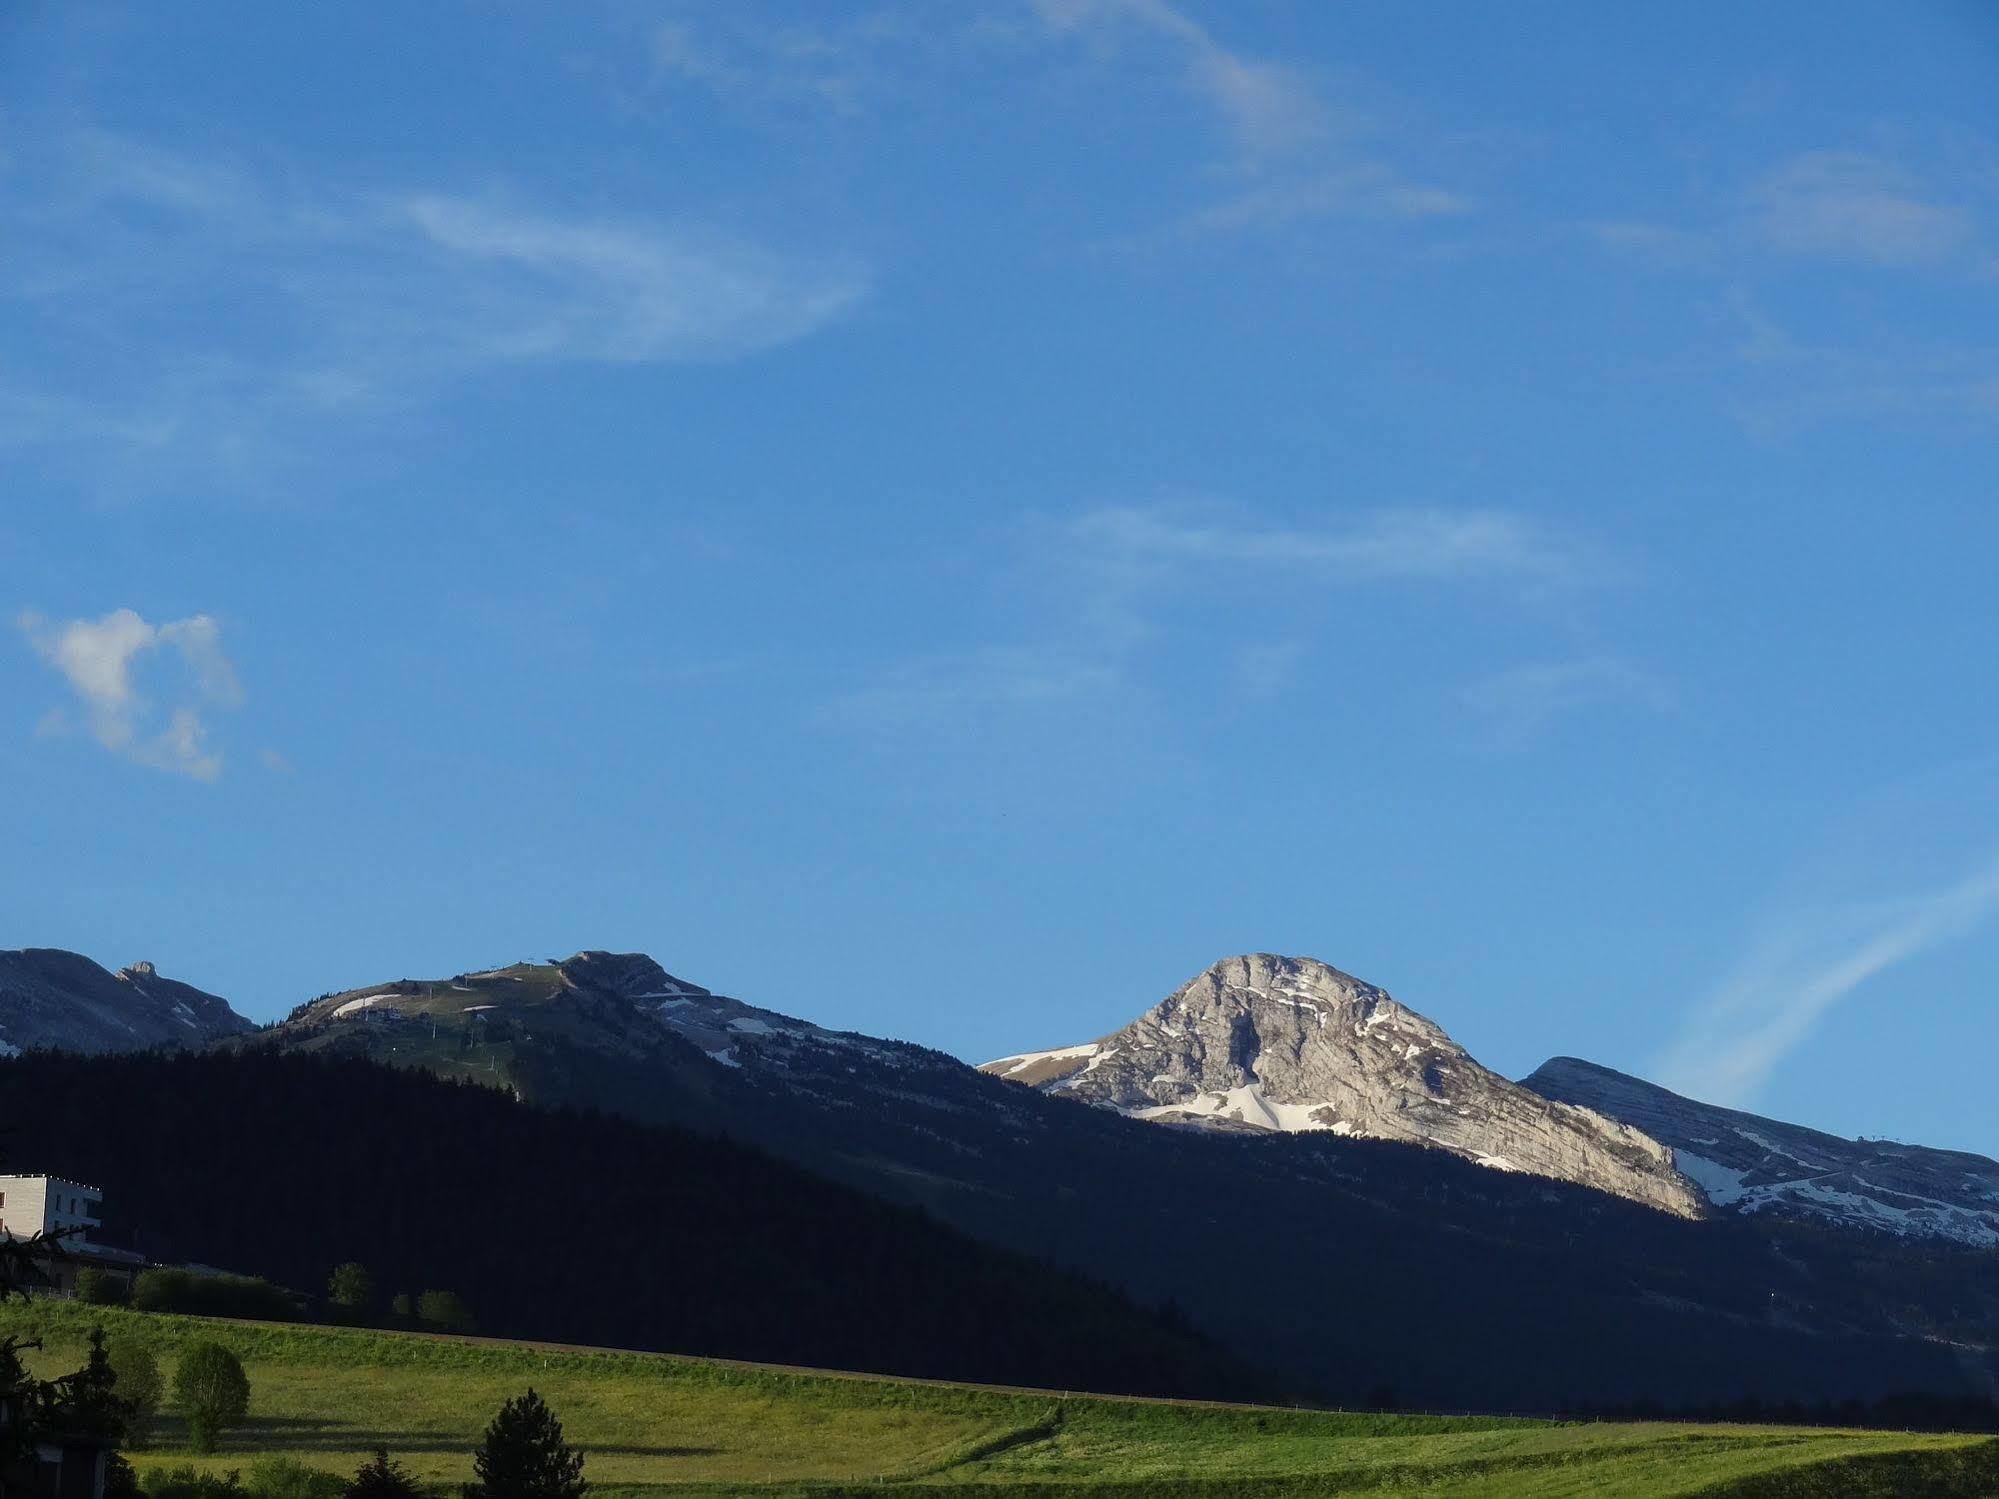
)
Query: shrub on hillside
[
  {"x": 120, "y": 1482},
  {"x": 444, "y": 1311},
  {"x": 95, "y": 1287},
  {"x": 167, "y": 1290},
  {"x": 212, "y": 1393},
  {"x": 288, "y": 1478},
  {"x": 381, "y": 1477},
  {"x": 139, "y": 1386},
  {"x": 188, "y": 1482}
]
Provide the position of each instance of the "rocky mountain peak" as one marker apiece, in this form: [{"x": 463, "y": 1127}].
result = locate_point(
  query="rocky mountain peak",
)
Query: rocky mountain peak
[{"x": 1273, "y": 1043}]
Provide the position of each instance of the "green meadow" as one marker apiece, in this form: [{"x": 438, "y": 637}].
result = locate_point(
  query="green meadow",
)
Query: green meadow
[{"x": 329, "y": 1396}]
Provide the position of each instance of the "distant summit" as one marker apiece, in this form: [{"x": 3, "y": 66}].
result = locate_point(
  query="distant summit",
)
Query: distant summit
[
  {"x": 1261, "y": 1042},
  {"x": 51, "y": 999}
]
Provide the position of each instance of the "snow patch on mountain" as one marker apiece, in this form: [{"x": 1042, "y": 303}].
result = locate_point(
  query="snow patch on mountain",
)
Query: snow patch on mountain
[
  {"x": 1745, "y": 1163},
  {"x": 1262, "y": 1042}
]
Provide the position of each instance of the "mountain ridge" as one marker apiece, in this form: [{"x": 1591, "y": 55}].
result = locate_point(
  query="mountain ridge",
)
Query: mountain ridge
[
  {"x": 1752, "y": 1164},
  {"x": 1483, "y": 1286},
  {"x": 1266, "y": 1042},
  {"x": 52, "y": 998}
]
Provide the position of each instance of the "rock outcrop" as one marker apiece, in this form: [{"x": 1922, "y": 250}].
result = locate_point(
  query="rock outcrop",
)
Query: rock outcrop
[{"x": 1261, "y": 1042}]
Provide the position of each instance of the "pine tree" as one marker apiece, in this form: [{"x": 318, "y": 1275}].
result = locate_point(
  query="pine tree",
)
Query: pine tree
[
  {"x": 381, "y": 1477},
  {"x": 523, "y": 1456},
  {"x": 87, "y": 1402}
]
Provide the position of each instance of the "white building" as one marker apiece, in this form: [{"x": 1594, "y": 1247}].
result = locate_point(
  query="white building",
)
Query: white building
[{"x": 30, "y": 1205}]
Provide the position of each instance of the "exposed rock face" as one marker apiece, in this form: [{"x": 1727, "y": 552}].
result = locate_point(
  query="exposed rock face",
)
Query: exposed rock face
[
  {"x": 63, "y": 1001},
  {"x": 1261, "y": 1042},
  {"x": 1749, "y": 1164}
]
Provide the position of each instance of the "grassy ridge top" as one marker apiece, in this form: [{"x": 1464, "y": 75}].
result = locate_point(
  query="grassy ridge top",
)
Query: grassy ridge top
[{"x": 328, "y": 1396}]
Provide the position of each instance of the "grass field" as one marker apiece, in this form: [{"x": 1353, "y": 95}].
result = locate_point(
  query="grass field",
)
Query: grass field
[{"x": 329, "y": 1396}]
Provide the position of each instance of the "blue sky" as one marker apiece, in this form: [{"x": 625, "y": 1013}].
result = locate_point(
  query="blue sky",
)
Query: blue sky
[{"x": 946, "y": 519}]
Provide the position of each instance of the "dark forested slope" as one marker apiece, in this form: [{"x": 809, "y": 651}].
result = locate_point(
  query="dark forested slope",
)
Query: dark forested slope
[{"x": 563, "y": 1225}]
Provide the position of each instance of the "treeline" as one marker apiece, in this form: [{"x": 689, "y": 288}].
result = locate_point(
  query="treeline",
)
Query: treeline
[
  {"x": 566, "y": 1225},
  {"x": 1906, "y": 1411},
  {"x": 207, "y": 1293}
]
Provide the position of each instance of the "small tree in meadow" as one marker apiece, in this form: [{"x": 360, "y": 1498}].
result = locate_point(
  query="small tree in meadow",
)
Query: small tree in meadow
[
  {"x": 444, "y": 1310},
  {"x": 523, "y": 1456},
  {"x": 212, "y": 1393},
  {"x": 381, "y": 1477},
  {"x": 350, "y": 1291},
  {"x": 88, "y": 1400},
  {"x": 139, "y": 1386}
]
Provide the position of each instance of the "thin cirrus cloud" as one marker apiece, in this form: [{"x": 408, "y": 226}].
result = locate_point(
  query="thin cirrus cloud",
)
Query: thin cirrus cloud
[
  {"x": 247, "y": 300},
  {"x": 1267, "y": 106},
  {"x": 1519, "y": 703},
  {"x": 1800, "y": 970},
  {"x": 1111, "y": 572},
  {"x": 1863, "y": 207},
  {"x": 622, "y": 293},
  {"x": 1854, "y": 205},
  {"x": 102, "y": 661},
  {"x": 1385, "y": 544},
  {"x": 1297, "y": 158}
]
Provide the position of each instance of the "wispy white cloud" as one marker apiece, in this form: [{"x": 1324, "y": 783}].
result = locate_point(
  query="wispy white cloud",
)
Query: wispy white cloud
[
  {"x": 1383, "y": 544},
  {"x": 592, "y": 290},
  {"x": 100, "y": 660},
  {"x": 1788, "y": 383},
  {"x": 841, "y": 63},
  {"x": 269, "y": 302},
  {"x": 1867, "y": 207},
  {"x": 1856, "y": 205},
  {"x": 1519, "y": 703},
  {"x": 1297, "y": 156},
  {"x": 1267, "y": 106},
  {"x": 1112, "y": 575},
  {"x": 1800, "y": 970}
]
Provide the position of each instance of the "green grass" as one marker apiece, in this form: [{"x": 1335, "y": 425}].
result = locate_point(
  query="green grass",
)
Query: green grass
[{"x": 329, "y": 1396}]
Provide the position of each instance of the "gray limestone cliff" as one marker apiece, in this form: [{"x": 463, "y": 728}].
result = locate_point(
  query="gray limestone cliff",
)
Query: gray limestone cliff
[{"x": 1261, "y": 1042}]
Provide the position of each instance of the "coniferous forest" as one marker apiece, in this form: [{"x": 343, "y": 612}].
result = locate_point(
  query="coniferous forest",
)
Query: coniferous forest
[{"x": 567, "y": 1225}]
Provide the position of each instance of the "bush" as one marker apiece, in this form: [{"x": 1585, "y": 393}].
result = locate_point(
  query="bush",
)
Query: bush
[
  {"x": 187, "y": 1482},
  {"x": 350, "y": 1291},
  {"x": 523, "y": 1456},
  {"x": 96, "y": 1287},
  {"x": 444, "y": 1310},
  {"x": 183, "y": 1291},
  {"x": 381, "y": 1478},
  {"x": 139, "y": 1386},
  {"x": 120, "y": 1482},
  {"x": 288, "y": 1478},
  {"x": 212, "y": 1393}
]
